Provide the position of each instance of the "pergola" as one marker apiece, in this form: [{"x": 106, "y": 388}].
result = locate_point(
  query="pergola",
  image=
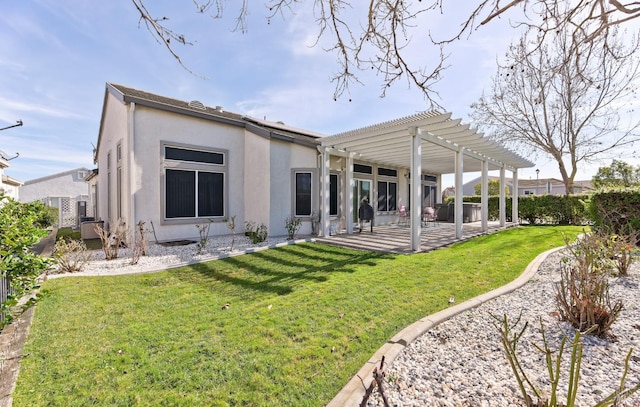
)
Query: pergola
[{"x": 429, "y": 141}]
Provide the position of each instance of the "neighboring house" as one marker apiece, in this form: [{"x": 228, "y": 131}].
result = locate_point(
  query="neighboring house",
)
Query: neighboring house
[
  {"x": 8, "y": 186},
  {"x": 541, "y": 186},
  {"x": 66, "y": 191},
  {"x": 176, "y": 165}
]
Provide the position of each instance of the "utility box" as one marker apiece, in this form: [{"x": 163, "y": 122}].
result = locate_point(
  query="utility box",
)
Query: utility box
[{"x": 88, "y": 229}]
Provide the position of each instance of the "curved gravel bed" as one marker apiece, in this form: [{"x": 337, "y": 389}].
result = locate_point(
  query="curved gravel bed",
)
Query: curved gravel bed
[
  {"x": 161, "y": 257},
  {"x": 461, "y": 362}
]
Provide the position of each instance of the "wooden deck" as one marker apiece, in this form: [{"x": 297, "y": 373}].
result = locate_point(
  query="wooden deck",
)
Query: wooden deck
[{"x": 397, "y": 239}]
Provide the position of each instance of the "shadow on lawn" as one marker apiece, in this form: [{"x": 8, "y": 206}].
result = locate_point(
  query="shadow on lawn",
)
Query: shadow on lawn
[{"x": 280, "y": 270}]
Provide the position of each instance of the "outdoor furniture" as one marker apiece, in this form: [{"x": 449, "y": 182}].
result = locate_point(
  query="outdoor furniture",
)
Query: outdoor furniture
[
  {"x": 365, "y": 214},
  {"x": 403, "y": 216},
  {"x": 429, "y": 216}
]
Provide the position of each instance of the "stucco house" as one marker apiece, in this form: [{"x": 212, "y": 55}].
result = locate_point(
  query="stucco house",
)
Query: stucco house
[
  {"x": 174, "y": 164},
  {"x": 9, "y": 186},
  {"x": 65, "y": 190},
  {"x": 542, "y": 186}
]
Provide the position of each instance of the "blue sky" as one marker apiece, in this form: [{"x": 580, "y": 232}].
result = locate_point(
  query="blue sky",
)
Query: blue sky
[{"x": 55, "y": 58}]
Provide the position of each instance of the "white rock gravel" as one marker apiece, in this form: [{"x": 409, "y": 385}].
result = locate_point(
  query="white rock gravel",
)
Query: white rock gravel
[
  {"x": 461, "y": 361},
  {"x": 161, "y": 257}
]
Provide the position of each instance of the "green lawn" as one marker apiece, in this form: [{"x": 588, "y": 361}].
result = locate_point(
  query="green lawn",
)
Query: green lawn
[{"x": 302, "y": 320}]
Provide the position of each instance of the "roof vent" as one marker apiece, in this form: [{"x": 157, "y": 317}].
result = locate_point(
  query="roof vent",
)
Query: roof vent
[
  {"x": 219, "y": 109},
  {"x": 196, "y": 104}
]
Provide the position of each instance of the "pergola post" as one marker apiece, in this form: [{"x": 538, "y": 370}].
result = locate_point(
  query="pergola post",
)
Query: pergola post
[
  {"x": 514, "y": 198},
  {"x": 458, "y": 207},
  {"x": 416, "y": 187},
  {"x": 503, "y": 206},
  {"x": 325, "y": 207},
  {"x": 484, "y": 197},
  {"x": 348, "y": 193}
]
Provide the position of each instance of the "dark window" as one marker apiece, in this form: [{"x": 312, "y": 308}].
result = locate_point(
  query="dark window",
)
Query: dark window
[
  {"x": 362, "y": 169},
  {"x": 387, "y": 196},
  {"x": 173, "y": 153},
  {"x": 387, "y": 172},
  {"x": 180, "y": 194},
  {"x": 333, "y": 194},
  {"x": 210, "y": 194},
  {"x": 303, "y": 194}
]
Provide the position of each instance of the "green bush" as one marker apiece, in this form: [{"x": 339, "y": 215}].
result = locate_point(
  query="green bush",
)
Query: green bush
[
  {"x": 616, "y": 211},
  {"x": 540, "y": 209},
  {"x": 20, "y": 228}
]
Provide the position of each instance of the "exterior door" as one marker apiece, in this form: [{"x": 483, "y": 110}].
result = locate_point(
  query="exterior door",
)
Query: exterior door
[{"x": 361, "y": 189}]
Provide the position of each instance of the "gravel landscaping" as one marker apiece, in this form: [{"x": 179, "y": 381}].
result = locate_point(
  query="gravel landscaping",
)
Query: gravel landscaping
[
  {"x": 160, "y": 257},
  {"x": 461, "y": 362}
]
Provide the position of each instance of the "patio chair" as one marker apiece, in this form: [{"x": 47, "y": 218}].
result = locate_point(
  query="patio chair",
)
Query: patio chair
[
  {"x": 429, "y": 216},
  {"x": 403, "y": 216}
]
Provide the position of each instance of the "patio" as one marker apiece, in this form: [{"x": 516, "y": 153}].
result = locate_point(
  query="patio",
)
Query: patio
[{"x": 392, "y": 238}]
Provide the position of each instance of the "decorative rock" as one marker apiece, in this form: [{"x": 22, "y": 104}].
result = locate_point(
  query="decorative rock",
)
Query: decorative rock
[{"x": 461, "y": 361}]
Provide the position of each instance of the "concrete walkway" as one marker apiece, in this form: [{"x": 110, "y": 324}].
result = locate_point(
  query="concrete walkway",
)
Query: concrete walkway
[{"x": 397, "y": 239}]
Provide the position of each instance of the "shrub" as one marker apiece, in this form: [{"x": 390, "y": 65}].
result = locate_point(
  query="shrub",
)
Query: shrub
[
  {"x": 203, "y": 231},
  {"x": 231, "y": 225},
  {"x": 111, "y": 240},
  {"x": 257, "y": 235},
  {"x": 616, "y": 212},
  {"x": 553, "y": 361},
  {"x": 71, "y": 255},
  {"x": 20, "y": 227},
  {"x": 582, "y": 295},
  {"x": 139, "y": 243},
  {"x": 292, "y": 224}
]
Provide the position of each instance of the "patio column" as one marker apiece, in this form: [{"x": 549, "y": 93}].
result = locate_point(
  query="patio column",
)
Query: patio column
[
  {"x": 503, "y": 206},
  {"x": 348, "y": 193},
  {"x": 484, "y": 196},
  {"x": 514, "y": 198},
  {"x": 416, "y": 187},
  {"x": 325, "y": 220},
  {"x": 458, "y": 207}
]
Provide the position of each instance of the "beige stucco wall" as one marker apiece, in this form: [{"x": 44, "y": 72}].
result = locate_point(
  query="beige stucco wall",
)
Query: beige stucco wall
[
  {"x": 152, "y": 127},
  {"x": 114, "y": 129}
]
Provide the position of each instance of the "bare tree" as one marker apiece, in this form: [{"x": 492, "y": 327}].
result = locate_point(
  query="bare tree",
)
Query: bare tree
[
  {"x": 563, "y": 99},
  {"x": 376, "y": 34}
]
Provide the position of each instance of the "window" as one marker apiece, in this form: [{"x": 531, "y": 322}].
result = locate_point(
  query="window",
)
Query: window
[
  {"x": 194, "y": 182},
  {"x": 333, "y": 194},
  {"x": 362, "y": 169},
  {"x": 109, "y": 185},
  {"x": 387, "y": 196},
  {"x": 387, "y": 172},
  {"x": 302, "y": 194},
  {"x": 529, "y": 192},
  {"x": 119, "y": 181}
]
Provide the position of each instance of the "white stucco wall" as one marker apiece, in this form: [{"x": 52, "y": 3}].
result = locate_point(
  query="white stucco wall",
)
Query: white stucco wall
[
  {"x": 114, "y": 130},
  {"x": 286, "y": 157},
  {"x": 152, "y": 127},
  {"x": 67, "y": 184},
  {"x": 257, "y": 179}
]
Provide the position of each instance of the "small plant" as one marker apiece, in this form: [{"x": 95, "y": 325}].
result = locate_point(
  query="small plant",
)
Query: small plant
[
  {"x": 139, "y": 244},
  {"x": 203, "y": 231},
  {"x": 111, "y": 240},
  {"x": 292, "y": 224},
  {"x": 553, "y": 361},
  {"x": 621, "y": 251},
  {"x": 582, "y": 295},
  {"x": 231, "y": 225},
  {"x": 257, "y": 235},
  {"x": 71, "y": 255},
  {"x": 315, "y": 222}
]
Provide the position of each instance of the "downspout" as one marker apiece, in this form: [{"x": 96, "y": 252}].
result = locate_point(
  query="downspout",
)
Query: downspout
[{"x": 130, "y": 167}]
